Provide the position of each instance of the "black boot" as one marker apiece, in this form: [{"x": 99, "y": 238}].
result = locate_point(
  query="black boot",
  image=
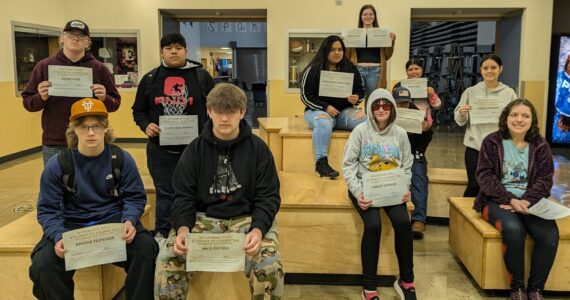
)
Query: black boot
[{"x": 324, "y": 170}]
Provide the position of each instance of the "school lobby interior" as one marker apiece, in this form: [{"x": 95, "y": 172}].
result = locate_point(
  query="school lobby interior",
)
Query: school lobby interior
[{"x": 262, "y": 46}]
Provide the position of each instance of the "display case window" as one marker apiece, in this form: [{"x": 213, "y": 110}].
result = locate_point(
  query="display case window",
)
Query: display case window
[
  {"x": 118, "y": 49},
  {"x": 32, "y": 43},
  {"x": 301, "y": 48},
  {"x": 119, "y": 52}
]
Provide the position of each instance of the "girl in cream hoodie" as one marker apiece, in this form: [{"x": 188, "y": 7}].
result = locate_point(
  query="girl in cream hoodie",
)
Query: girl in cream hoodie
[
  {"x": 490, "y": 88},
  {"x": 373, "y": 146}
]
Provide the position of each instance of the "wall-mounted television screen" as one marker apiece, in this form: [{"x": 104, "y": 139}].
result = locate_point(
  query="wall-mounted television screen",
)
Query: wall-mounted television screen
[{"x": 558, "y": 121}]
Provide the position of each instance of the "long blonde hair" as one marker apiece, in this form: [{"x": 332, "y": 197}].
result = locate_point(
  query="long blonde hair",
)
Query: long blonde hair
[{"x": 73, "y": 140}]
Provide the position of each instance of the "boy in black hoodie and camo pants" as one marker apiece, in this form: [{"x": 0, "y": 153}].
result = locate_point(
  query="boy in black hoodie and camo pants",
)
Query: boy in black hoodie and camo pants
[{"x": 225, "y": 181}]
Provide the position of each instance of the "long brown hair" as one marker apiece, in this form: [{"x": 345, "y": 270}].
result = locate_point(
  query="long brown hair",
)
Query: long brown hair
[
  {"x": 73, "y": 140},
  {"x": 532, "y": 133}
]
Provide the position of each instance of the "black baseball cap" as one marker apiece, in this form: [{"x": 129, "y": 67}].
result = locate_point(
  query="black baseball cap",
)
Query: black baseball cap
[
  {"x": 77, "y": 25},
  {"x": 402, "y": 94}
]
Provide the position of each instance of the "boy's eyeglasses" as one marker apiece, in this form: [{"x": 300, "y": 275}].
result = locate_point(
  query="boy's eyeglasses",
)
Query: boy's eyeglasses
[
  {"x": 83, "y": 129},
  {"x": 385, "y": 106},
  {"x": 76, "y": 35}
]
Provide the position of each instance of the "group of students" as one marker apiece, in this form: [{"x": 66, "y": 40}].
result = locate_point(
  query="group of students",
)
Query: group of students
[
  {"x": 508, "y": 169},
  {"x": 225, "y": 180}
]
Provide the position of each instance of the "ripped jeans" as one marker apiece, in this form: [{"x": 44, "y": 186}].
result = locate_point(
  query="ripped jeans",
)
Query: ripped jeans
[{"x": 323, "y": 124}]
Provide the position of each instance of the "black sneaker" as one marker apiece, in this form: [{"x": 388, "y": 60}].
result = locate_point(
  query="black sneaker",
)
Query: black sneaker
[
  {"x": 405, "y": 294},
  {"x": 518, "y": 294},
  {"x": 324, "y": 170}
]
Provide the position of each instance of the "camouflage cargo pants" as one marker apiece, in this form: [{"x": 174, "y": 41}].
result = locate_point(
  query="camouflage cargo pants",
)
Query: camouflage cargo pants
[{"x": 265, "y": 271}]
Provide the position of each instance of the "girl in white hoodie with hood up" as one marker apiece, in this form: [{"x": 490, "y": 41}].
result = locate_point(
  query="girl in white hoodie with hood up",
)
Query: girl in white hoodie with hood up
[{"x": 379, "y": 145}]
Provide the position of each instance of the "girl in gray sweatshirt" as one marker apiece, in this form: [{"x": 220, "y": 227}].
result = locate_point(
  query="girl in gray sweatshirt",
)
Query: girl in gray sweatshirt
[{"x": 374, "y": 146}]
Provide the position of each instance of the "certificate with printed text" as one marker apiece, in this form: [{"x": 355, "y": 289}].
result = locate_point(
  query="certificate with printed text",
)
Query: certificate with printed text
[
  {"x": 354, "y": 38},
  {"x": 417, "y": 87},
  {"x": 215, "y": 252},
  {"x": 484, "y": 110},
  {"x": 549, "y": 210},
  {"x": 410, "y": 119},
  {"x": 384, "y": 188},
  {"x": 95, "y": 245},
  {"x": 70, "y": 81},
  {"x": 378, "y": 37},
  {"x": 177, "y": 130},
  {"x": 336, "y": 84}
]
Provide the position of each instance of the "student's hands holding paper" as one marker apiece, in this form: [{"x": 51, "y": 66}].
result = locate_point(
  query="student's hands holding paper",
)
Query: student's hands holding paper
[
  {"x": 363, "y": 203},
  {"x": 520, "y": 206},
  {"x": 353, "y": 99},
  {"x": 130, "y": 232},
  {"x": 407, "y": 197},
  {"x": 59, "y": 249}
]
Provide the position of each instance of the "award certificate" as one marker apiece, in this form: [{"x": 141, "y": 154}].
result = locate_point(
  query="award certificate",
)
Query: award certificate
[
  {"x": 417, "y": 87},
  {"x": 485, "y": 110},
  {"x": 549, "y": 210},
  {"x": 384, "y": 188},
  {"x": 410, "y": 119},
  {"x": 177, "y": 130},
  {"x": 336, "y": 84},
  {"x": 378, "y": 37},
  {"x": 354, "y": 38},
  {"x": 215, "y": 252},
  {"x": 70, "y": 81},
  {"x": 95, "y": 245}
]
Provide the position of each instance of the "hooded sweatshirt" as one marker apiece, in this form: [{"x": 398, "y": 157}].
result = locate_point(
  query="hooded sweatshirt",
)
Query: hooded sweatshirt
[
  {"x": 226, "y": 179},
  {"x": 370, "y": 149},
  {"x": 474, "y": 134},
  {"x": 57, "y": 109},
  {"x": 172, "y": 91}
]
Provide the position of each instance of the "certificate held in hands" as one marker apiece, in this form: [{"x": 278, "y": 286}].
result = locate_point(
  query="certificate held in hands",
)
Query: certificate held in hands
[
  {"x": 417, "y": 87},
  {"x": 335, "y": 84},
  {"x": 354, "y": 38},
  {"x": 95, "y": 245},
  {"x": 384, "y": 188},
  {"x": 485, "y": 110},
  {"x": 410, "y": 119},
  {"x": 177, "y": 130},
  {"x": 215, "y": 252},
  {"x": 70, "y": 81}
]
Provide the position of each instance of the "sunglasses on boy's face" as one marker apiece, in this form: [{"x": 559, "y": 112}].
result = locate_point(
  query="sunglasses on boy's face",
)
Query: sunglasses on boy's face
[{"x": 378, "y": 104}]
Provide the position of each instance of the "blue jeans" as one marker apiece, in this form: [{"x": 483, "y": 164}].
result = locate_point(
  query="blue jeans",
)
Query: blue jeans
[
  {"x": 161, "y": 164},
  {"x": 419, "y": 189},
  {"x": 49, "y": 151},
  {"x": 370, "y": 77},
  {"x": 323, "y": 126}
]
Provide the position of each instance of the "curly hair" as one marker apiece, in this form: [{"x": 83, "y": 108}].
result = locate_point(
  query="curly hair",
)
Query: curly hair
[
  {"x": 532, "y": 133},
  {"x": 73, "y": 140}
]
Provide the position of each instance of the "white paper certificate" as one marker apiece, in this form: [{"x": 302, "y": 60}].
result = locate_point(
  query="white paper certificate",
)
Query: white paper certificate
[
  {"x": 335, "y": 84},
  {"x": 549, "y": 210},
  {"x": 410, "y": 119},
  {"x": 354, "y": 38},
  {"x": 177, "y": 130},
  {"x": 384, "y": 188},
  {"x": 378, "y": 37},
  {"x": 70, "y": 81},
  {"x": 484, "y": 110},
  {"x": 417, "y": 87},
  {"x": 215, "y": 252},
  {"x": 95, "y": 245}
]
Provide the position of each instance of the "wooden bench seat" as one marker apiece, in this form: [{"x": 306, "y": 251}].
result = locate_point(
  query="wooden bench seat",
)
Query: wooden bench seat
[
  {"x": 17, "y": 240},
  {"x": 320, "y": 230},
  {"x": 290, "y": 142},
  {"x": 478, "y": 245}
]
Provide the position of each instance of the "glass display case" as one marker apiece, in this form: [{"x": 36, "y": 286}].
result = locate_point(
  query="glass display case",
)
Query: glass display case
[
  {"x": 302, "y": 45},
  {"x": 117, "y": 49}
]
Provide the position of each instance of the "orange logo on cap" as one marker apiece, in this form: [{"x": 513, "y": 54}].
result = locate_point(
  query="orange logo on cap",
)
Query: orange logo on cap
[{"x": 87, "y": 105}]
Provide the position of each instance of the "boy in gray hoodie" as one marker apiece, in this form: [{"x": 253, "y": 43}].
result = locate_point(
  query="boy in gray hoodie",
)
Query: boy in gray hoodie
[{"x": 380, "y": 145}]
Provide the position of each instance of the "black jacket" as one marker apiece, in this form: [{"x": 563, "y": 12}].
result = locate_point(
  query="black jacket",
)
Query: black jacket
[
  {"x": 163, "y": 85},
  {"x": 226, "y": 179}
]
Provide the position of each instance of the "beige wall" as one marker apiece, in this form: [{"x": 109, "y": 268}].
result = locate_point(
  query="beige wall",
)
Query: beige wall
[{"x": 281, "y": 16}]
